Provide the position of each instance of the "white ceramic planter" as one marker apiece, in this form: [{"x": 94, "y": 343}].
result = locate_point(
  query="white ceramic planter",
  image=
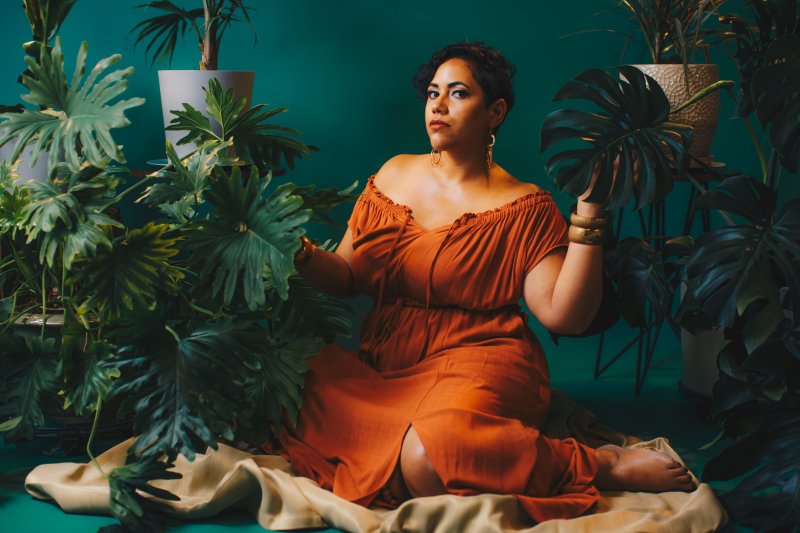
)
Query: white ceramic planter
[
  {"x": 25, "y": 170},
  {"x": 186, "y": 86}
]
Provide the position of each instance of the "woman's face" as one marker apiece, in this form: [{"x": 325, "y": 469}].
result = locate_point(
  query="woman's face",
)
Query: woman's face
[{"x": 455, "y": 113}]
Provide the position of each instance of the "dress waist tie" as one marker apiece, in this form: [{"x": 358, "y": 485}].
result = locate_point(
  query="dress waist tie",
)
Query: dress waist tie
[
  {"x": 382, "y": 331},
  {"x": 429, "y": 291}
]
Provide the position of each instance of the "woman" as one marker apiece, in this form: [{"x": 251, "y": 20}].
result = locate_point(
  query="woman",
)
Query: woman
[{"x": 449, "y": 385}]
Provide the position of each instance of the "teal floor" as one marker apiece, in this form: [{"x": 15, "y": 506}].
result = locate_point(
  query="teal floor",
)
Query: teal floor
[{"x": 658, "y": 411}]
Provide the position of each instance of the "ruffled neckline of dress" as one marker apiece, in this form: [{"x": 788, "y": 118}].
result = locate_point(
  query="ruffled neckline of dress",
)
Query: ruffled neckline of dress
[{"x": 468, "y": 217}]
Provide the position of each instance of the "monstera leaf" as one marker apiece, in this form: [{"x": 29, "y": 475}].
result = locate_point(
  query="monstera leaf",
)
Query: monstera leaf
[
  {"x": 76, "y": 119},
  {"x": 324, "y": 200},
  {"x": 254, "y": 141},
  {"x": 736, "y": 266},
  {"x": 128, "y": 275},
  {"x": 776, "y": 91},
  {"x": 182, "y": 384},
  {"x": 633, "y": 122},
  {"x": 646, "y": 278},
  {"x": 313, "y": 312},
  {"x": 246, "y": 234}
]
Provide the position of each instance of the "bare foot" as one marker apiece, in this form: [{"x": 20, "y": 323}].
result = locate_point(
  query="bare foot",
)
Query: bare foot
[{"x": 639, "y": 469}]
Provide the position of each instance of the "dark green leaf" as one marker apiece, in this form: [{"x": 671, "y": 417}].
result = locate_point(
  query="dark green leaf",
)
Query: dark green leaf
[
  {"x": 634, "y": 119},
  {"x": 130, "y": 274},
  {"x": 776, "y": 92},
  {"x": 246, "y": 235}
]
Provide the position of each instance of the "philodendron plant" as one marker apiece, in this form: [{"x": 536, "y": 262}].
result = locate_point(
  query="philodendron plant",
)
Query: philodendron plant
[
  {"x": 196, "y": 322},
  {"x": 743, "y": 276}
]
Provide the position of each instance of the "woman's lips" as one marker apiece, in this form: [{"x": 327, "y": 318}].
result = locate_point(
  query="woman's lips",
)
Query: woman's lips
[{"x": 436, "y": 124}]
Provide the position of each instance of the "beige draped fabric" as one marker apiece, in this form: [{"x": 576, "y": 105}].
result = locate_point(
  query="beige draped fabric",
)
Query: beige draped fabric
[{"x": 264, "y": 485}]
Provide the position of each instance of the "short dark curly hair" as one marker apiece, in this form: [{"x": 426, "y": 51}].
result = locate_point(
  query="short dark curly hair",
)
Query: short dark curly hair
[{"x": 490, "y": 69}]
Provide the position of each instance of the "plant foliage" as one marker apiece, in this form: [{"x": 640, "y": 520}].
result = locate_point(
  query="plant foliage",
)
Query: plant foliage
[
  {"x": 77, "y": 119},
  {"x": 254, "y": 140},
  {"x": 633, "y": 122}
]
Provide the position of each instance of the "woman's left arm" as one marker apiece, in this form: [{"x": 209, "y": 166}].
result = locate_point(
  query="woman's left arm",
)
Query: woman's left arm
[{"x": 564, "y": 290}]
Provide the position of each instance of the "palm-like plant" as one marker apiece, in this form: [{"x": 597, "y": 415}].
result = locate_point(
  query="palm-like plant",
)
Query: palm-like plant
[
  {"x": 743, "y": 276},
  {"x": 208, "y": 22},
  {"x": 674, "y": 30}
]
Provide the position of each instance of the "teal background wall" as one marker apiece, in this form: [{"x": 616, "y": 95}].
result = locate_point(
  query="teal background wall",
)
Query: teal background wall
[{"x": 344, "y": 71}]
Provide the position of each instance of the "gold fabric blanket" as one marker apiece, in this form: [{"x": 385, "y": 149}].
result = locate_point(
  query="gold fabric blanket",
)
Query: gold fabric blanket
[{"x": 264, "y": 485}]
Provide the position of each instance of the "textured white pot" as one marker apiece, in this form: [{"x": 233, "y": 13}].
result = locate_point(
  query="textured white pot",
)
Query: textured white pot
[
  {"x": 186, "y": 86},
  {"x": 702, "y": 115}
]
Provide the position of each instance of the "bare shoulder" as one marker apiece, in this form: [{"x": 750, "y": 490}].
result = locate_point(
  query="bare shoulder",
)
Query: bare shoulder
[
  {"x": 514, "y": 187},
  {"x": 397, "y": 170}
]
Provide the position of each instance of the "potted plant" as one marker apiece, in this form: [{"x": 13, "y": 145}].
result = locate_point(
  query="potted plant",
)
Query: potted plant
[
  {"x": 741, "y": 277},
  {"x": 207, "y": 20},
  {"x": 45, "y": 18},
  {"x": 48, "y": 227},
  {"x": 677, "y": 33}
]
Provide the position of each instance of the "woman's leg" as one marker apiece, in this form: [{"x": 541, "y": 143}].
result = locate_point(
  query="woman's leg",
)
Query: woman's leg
[
  {"x": 618, "y": 469},
  {"x": 418, "y": 473}
]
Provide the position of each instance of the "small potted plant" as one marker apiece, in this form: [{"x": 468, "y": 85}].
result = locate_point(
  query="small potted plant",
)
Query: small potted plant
[
  {"x": 207, "y": 21},
  {"x": 677, "y": 33}
]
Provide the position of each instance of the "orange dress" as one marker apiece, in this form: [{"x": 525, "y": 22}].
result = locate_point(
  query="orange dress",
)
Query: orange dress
[{"x": 445, "y": 349}]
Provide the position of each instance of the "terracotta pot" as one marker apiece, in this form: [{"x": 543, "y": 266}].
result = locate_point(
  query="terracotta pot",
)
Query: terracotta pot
[
  {"x": 702, "y": 116},
  {"x": 186, "y": 86}
]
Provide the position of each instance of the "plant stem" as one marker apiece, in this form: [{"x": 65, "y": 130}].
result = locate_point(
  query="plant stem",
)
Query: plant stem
[
  {"x": 124, "y": 193},
  {"x": 91, "y": 437},
  {"x": 702, "y": 93},
  {"x": 44, "y": 302}
]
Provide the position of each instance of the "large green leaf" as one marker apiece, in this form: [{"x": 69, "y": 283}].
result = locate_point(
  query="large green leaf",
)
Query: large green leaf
[
  {"x": 182, "y": 385},
  {"x": 633, "y": 119},
  {"x": 646, "y": 278},
  {"x": 68, "y": 226},
  {"x": 776, "y": 91},
  {"x": 77, "y": 119},
  {"x": 88, "y": 376},
  {"x": 246, "y": 234},
  {"x": 130, "y": 274},
  {"x": 736, "y": 266},
  {"x": 254, "y": 141},
  {"x": 28, "y": 378},
  {"x": 274, "y": 391}
]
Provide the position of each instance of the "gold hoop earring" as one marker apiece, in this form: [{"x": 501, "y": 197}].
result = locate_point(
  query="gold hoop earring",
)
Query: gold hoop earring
[
  {"x": 436, "y": 157},
  {"x": 489, "y": 149}
]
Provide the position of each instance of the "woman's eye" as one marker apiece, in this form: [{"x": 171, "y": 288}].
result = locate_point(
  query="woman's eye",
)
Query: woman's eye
[
  {"x": 433, "y": 94},
  {"x": 460, "y": 93}
]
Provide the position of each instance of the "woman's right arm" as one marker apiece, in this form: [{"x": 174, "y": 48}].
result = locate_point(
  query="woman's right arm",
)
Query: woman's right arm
[{"x": 330, "y": 272}]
